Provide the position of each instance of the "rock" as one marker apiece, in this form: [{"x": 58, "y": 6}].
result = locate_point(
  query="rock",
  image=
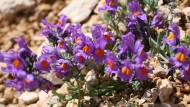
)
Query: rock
[
  {"x": 150, "y": 96},
  {"x": 186, "y": 87},
  {"x": 166, "y": 1},
  {"x": 151, "y": 105},
  {"x": 176, "y": 15},
  {"x": 165, "y": 89},
  {"x": 122, "y": 27},
  {"x": 187, "y": 32},
  {"x": 186, "y": 98},
  {"x": 42, "y": 95},
  {"x": 2, "y": 87},
  {"x": 81, "y": 9},
  {"x": 182, "y": 33},
  {"x": 63, "y": 90},
  {"x": 187, "y": 11},
  {"x": 160, "y": 2},
  {"x": 185, "y": 3},
  {"x": 106, "y": 104},
  {"x": 15, "y": 101},
  {"x": 168, "y": 104},
  {"x": 29, "y": 97},
  {"x": 72, "y": 103},
  {"x": 160, "y": 71},
  {"x": 43, "y": 103},
  {"x": 164, "y": 10},
  {"x": 52, "y": 78},
  {"x": 91, "y": 78},
  {"x": 32, "y": 105},
  {"x": 92, "y": 65},
  {"x": 172, "y": 99},
  {"x": 8, "y": 7},
  {"x": 100, "y": 3},
  {"x": 2, "y": 100},
  {"x": 2, "y": 105},
  {"x": 8, "y": 94}
]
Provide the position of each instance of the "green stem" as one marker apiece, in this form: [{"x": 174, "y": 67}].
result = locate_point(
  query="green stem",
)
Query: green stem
[{"x": 79, "y": 97}]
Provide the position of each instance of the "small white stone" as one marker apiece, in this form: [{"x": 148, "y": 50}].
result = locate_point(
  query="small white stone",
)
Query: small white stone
[
  {"x": 13, "y": 6},
  {"x": 78, "y": 10},
  {"x": 29, "y": 97}
]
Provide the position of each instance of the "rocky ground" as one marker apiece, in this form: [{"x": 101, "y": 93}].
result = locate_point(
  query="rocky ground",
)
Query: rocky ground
[{"x": 22, "y": 17}]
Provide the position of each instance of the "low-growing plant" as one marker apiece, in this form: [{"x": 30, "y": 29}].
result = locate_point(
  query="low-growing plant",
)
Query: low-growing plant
[{"x": 121, "y": 54}]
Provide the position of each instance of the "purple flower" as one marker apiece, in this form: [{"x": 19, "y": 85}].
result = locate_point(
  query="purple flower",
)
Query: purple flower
[
  {"x": 43, "y": 64},
  {"x": 141, "y": 55},
  {"x": 86, "y": 46},
  {"x": 99, "y": 54},
  {"x": 174, "y": 35},
  {"x": 45, "y": 84},
  {"x": 157, "y": 20},
  {"x": 47, "y": 29},
  {"x": 126, "y": 72},
  {"x": 79, "y": 58},
  {"x": 112, "y": 63},
  {"x": 12, "y": 59},
  {"x": 186, "y": 73},
  {"x": 22, "y": 43},
  {"x": 62, "y": 20},
  {"x": 62, "y": 66},
  {"x": 136, "y": 10},
  {"x": 128, "y": 41},
  {"x": 108, "y": 37},
  {"x": 180, "y": 58},
  {"x": 97, "y": 31},
  {"x": 142, "y": 72},
  {"x": 110, "y": 5}
]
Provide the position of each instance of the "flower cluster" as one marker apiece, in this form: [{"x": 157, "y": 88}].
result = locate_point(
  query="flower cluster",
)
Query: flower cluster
[
  {"x": 21, "y": 65},
  {"x": 123, "y": 54}
]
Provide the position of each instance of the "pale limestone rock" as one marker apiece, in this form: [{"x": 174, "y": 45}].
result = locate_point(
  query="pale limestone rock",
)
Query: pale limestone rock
[
  {"x": 150, "y": 96},
  {"x": 13, "y": 6},
  {"x": 29, "y": 97},
  {"x": 78, "y": 10},
  {"x": 165, "y": 89},
  {"x": 186, "y": 98},
  {"x": 160, "y": 71},
  {"x": 43, "y": 103},
  {"x": 63, "y": 90},
  {"x": 42, "y": 95},
  {"x": 9, "y": 94},
  {"x": 187, "y": 11},
  {"x": 72, "y": 103},
  {"x": 56, "y": 81},
  {"x": 91, "y": 78}
]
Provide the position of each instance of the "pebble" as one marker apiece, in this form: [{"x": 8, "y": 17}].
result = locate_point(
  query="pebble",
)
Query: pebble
[
  {"x": 8, "y": 7},
  {"x": 2, "y": 87},
  {"x": 165, "y": 89},
  {"x": 79, "y": 10},
  {"x": 9, "y": 94},
  {"x": 29, "y": 97},
  {"x": 63, "y": 90},
  {"x": 186, "y": 98},
  {"x": 160, "y": 71},
  {"x": 91, "y": 78}
]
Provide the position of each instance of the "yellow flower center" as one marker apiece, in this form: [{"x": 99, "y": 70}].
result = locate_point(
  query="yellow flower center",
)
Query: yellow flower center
[
  {"x": 180, "y": 57},
  {"x": 86, "y": 49},
  {"x": 126, "y": 71},
  {"x": 171, "y": 36},
  {"x": 137, "y": 13}
]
